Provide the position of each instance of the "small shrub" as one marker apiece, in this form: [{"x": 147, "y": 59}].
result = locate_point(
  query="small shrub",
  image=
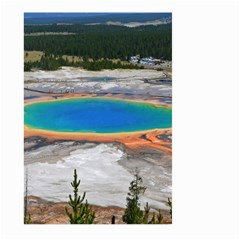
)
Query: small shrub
[
  {"x": 170, "y": 205},
  {"x": 27, "y": 219}
]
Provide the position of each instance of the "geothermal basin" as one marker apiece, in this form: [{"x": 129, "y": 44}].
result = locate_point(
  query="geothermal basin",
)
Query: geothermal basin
[{"x": 105, "y": 139}]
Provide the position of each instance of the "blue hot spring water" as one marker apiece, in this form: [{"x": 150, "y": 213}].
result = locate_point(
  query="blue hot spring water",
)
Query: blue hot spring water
[{"x": 96, "y": 115}]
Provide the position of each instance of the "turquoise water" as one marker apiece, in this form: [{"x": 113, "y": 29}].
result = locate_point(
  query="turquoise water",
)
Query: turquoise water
[
  {"x": 96, "y": 115},
  {"x": 101, "y": 79}
]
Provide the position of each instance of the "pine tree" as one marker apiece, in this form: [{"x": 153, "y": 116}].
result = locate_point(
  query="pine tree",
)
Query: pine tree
[
  {"x": 170, "y": 205},
  {"x": 133, "y": 213},
  {"x": 27, "y": 217},
  {"x": 81, "y": 212}
]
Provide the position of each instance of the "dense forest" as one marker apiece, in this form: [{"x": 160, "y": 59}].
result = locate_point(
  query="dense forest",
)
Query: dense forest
[
  {"x": 97, "y": 45},
  {"x": 107, "y": 44}
]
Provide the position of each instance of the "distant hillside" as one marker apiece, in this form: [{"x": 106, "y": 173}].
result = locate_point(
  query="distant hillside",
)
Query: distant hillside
[
  {"x": 80, "y": 28},
  {"x": 88, "y": 18}
]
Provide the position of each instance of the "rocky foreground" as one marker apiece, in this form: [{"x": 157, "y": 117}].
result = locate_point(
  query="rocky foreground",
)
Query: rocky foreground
[{"x": 45, "y": 212}]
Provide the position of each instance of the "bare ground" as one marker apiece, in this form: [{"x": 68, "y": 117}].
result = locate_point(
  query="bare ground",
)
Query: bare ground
[{"x": 44, "y": 212}]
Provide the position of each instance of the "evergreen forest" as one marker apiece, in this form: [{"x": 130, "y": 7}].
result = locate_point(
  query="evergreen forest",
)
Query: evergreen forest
[{"x": 97, "y": 43}]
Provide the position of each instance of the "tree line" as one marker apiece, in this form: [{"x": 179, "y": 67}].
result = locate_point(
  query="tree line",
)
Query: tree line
[
  {"x": 81, "y": 28},
  {"x": 52, "y": 63}
]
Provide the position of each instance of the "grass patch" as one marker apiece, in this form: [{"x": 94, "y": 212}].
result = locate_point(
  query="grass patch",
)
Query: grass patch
[
  {"x": 72, "y": 58},
  {"x": 32, "y": 56}
]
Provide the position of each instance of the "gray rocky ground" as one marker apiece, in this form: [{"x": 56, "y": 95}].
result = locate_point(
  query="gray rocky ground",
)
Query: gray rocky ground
[{"x": 107, "y": 81}]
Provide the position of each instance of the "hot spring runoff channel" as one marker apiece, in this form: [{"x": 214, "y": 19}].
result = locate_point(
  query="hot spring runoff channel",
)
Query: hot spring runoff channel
[{"x": 96, "y": 115}]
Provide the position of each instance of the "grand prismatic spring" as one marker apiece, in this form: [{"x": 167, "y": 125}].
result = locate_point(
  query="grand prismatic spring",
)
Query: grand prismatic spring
[{"x": 96, "y": 115}]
